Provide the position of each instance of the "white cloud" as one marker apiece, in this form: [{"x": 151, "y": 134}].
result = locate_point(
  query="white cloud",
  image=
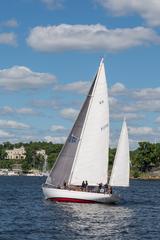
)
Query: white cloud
[
  {"x": 147, "y": 93},
  {"x": 113, "y": 102},
  {"x": 8, "y": 39},
  {"x": 57, "y": 128},
  {"x": 9, "y": 110},
  {"x": 4, "y": 134},
  {"x": 140, "y": 130},
  {"x": 77, "y": 87},
  {"x": 20, "y": 77},
  {"x": 149, "y": 10},
  {"x": 9, "y": 23},
  {"x": 88, "y": 37},
  {"x": 128, "y": 116},
  {"x": 13, "y": 124},
  {"x": 144, "y": 100},
  {"x": 148, "y": 105},
  {"x": 53, "y": 4},
  {"x": 69, "y": 113},
  {"x": 45, "y": 103},
  {"x": 6, "y": 110},
  {"x": 25, "y": 111},
  {"x": 55, "y": 139},
  {"x": 118, "y": 88}
]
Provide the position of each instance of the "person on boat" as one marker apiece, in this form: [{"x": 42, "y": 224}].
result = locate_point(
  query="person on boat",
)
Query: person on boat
[
  {"x": 64, "y": 184},
  {"x": 109, "y": 189},
  {"x": 99, "y": 187},
  {"x": 106, "y": 187},
  {"x": 86, "y": 185},
  {"x": 83, "y": 185}
]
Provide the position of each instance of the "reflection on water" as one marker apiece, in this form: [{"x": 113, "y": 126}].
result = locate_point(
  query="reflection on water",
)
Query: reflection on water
[{"x": 96, "y": 220}]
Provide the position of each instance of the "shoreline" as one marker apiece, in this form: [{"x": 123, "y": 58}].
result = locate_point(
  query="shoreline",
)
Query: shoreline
[
  {"x": 22, "y": 175},
  {"x": 18, "y": 172},
  {"x": 146, "y": 178},
  {"x": 43, "y": 175}
]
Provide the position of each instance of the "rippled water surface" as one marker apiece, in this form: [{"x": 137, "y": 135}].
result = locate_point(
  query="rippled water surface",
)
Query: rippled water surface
[{"x": 24, "y": 214}]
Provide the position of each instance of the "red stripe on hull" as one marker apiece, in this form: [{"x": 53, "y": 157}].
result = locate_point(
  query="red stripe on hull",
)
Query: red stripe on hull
[{"x": 75, "y": 200}]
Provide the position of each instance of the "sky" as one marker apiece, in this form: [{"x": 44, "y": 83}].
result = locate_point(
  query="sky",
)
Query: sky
[{"x": 50, "y": 51}]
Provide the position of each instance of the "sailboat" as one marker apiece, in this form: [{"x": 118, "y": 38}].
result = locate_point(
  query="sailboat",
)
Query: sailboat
[{"x": 84, "y": 156}]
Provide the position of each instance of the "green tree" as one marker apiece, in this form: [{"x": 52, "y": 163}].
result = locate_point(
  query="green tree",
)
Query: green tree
[
  {"x": 3, "y": 154},
  {"x": 6, "y": 164},
  {"x": 145, "y": 157},
  {"x": 38, "y": 161},
  {"x": 8, "y": 145},
  {"x": 112, "y": 153},
  {"x": 51, "y": 159},
  {"x": 25, "y": 166}
]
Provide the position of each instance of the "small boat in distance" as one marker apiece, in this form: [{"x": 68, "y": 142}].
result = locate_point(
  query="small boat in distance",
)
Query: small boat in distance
[{"x": 84, "y": 156}]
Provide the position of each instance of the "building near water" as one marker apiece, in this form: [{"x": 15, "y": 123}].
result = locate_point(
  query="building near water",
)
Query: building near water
[
  {"x": 42, "y": 152},
  {"x": 20, "y": 153},
  {"x": 16, "y": 153}
]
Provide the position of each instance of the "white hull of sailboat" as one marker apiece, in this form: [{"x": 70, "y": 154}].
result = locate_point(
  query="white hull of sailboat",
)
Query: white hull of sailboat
[{"x": 65, "y": 195}]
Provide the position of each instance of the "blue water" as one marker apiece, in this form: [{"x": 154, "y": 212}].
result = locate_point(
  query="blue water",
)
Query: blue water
[{"x": 24, "y": 214}]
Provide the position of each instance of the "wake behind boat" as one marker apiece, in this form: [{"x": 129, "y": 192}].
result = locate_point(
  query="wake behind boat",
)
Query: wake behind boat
[{"x": 84, "y": 156}]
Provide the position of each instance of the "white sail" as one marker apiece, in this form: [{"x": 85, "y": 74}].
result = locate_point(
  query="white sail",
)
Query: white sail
[
  {"x": 120, "y": 170},
  {"x": 91, "y": 159}
]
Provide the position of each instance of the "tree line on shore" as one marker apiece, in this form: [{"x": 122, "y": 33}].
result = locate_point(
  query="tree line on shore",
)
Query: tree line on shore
[
  {"x": 143, "y": 159},
  {"x": 32, "y": 160}
]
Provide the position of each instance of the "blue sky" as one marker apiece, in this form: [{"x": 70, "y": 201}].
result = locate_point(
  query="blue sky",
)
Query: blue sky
[{"x": 50, "y": 51}]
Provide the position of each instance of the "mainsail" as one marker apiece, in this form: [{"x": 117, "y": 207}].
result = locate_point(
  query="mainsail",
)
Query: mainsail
[
  {"x": 84, "y": 156},
  {"x": 120, "y": 170},
  {"x": 91, "y": 160}
]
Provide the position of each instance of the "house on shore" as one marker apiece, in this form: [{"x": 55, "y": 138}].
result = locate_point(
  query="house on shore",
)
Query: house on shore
[
  {"x": 16, "y": 153},
  {"x": 20, "y": 153}
]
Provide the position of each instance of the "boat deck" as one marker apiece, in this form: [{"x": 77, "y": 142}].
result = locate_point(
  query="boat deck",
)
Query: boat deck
[{"x": 91, "y": 189}]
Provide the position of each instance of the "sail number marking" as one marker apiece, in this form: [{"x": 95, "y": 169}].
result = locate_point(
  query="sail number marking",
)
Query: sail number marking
[
  {"x": 72, "y": 139},
  {"x": 101, "y": 101}
]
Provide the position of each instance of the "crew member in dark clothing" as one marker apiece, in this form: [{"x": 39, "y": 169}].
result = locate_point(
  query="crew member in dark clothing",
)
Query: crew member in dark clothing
[
  {"x": 106, "y": 187},
  {"x": 86, "y": 185},
  {"x": 109, "y": 189},
  {"x": 83, "y": 185},
  {"x": 65, "y": 184},
  {"x": 99, "y": 187}
]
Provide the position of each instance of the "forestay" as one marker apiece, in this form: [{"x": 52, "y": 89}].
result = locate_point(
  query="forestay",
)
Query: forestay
[{"x": 120, "y": 170}]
